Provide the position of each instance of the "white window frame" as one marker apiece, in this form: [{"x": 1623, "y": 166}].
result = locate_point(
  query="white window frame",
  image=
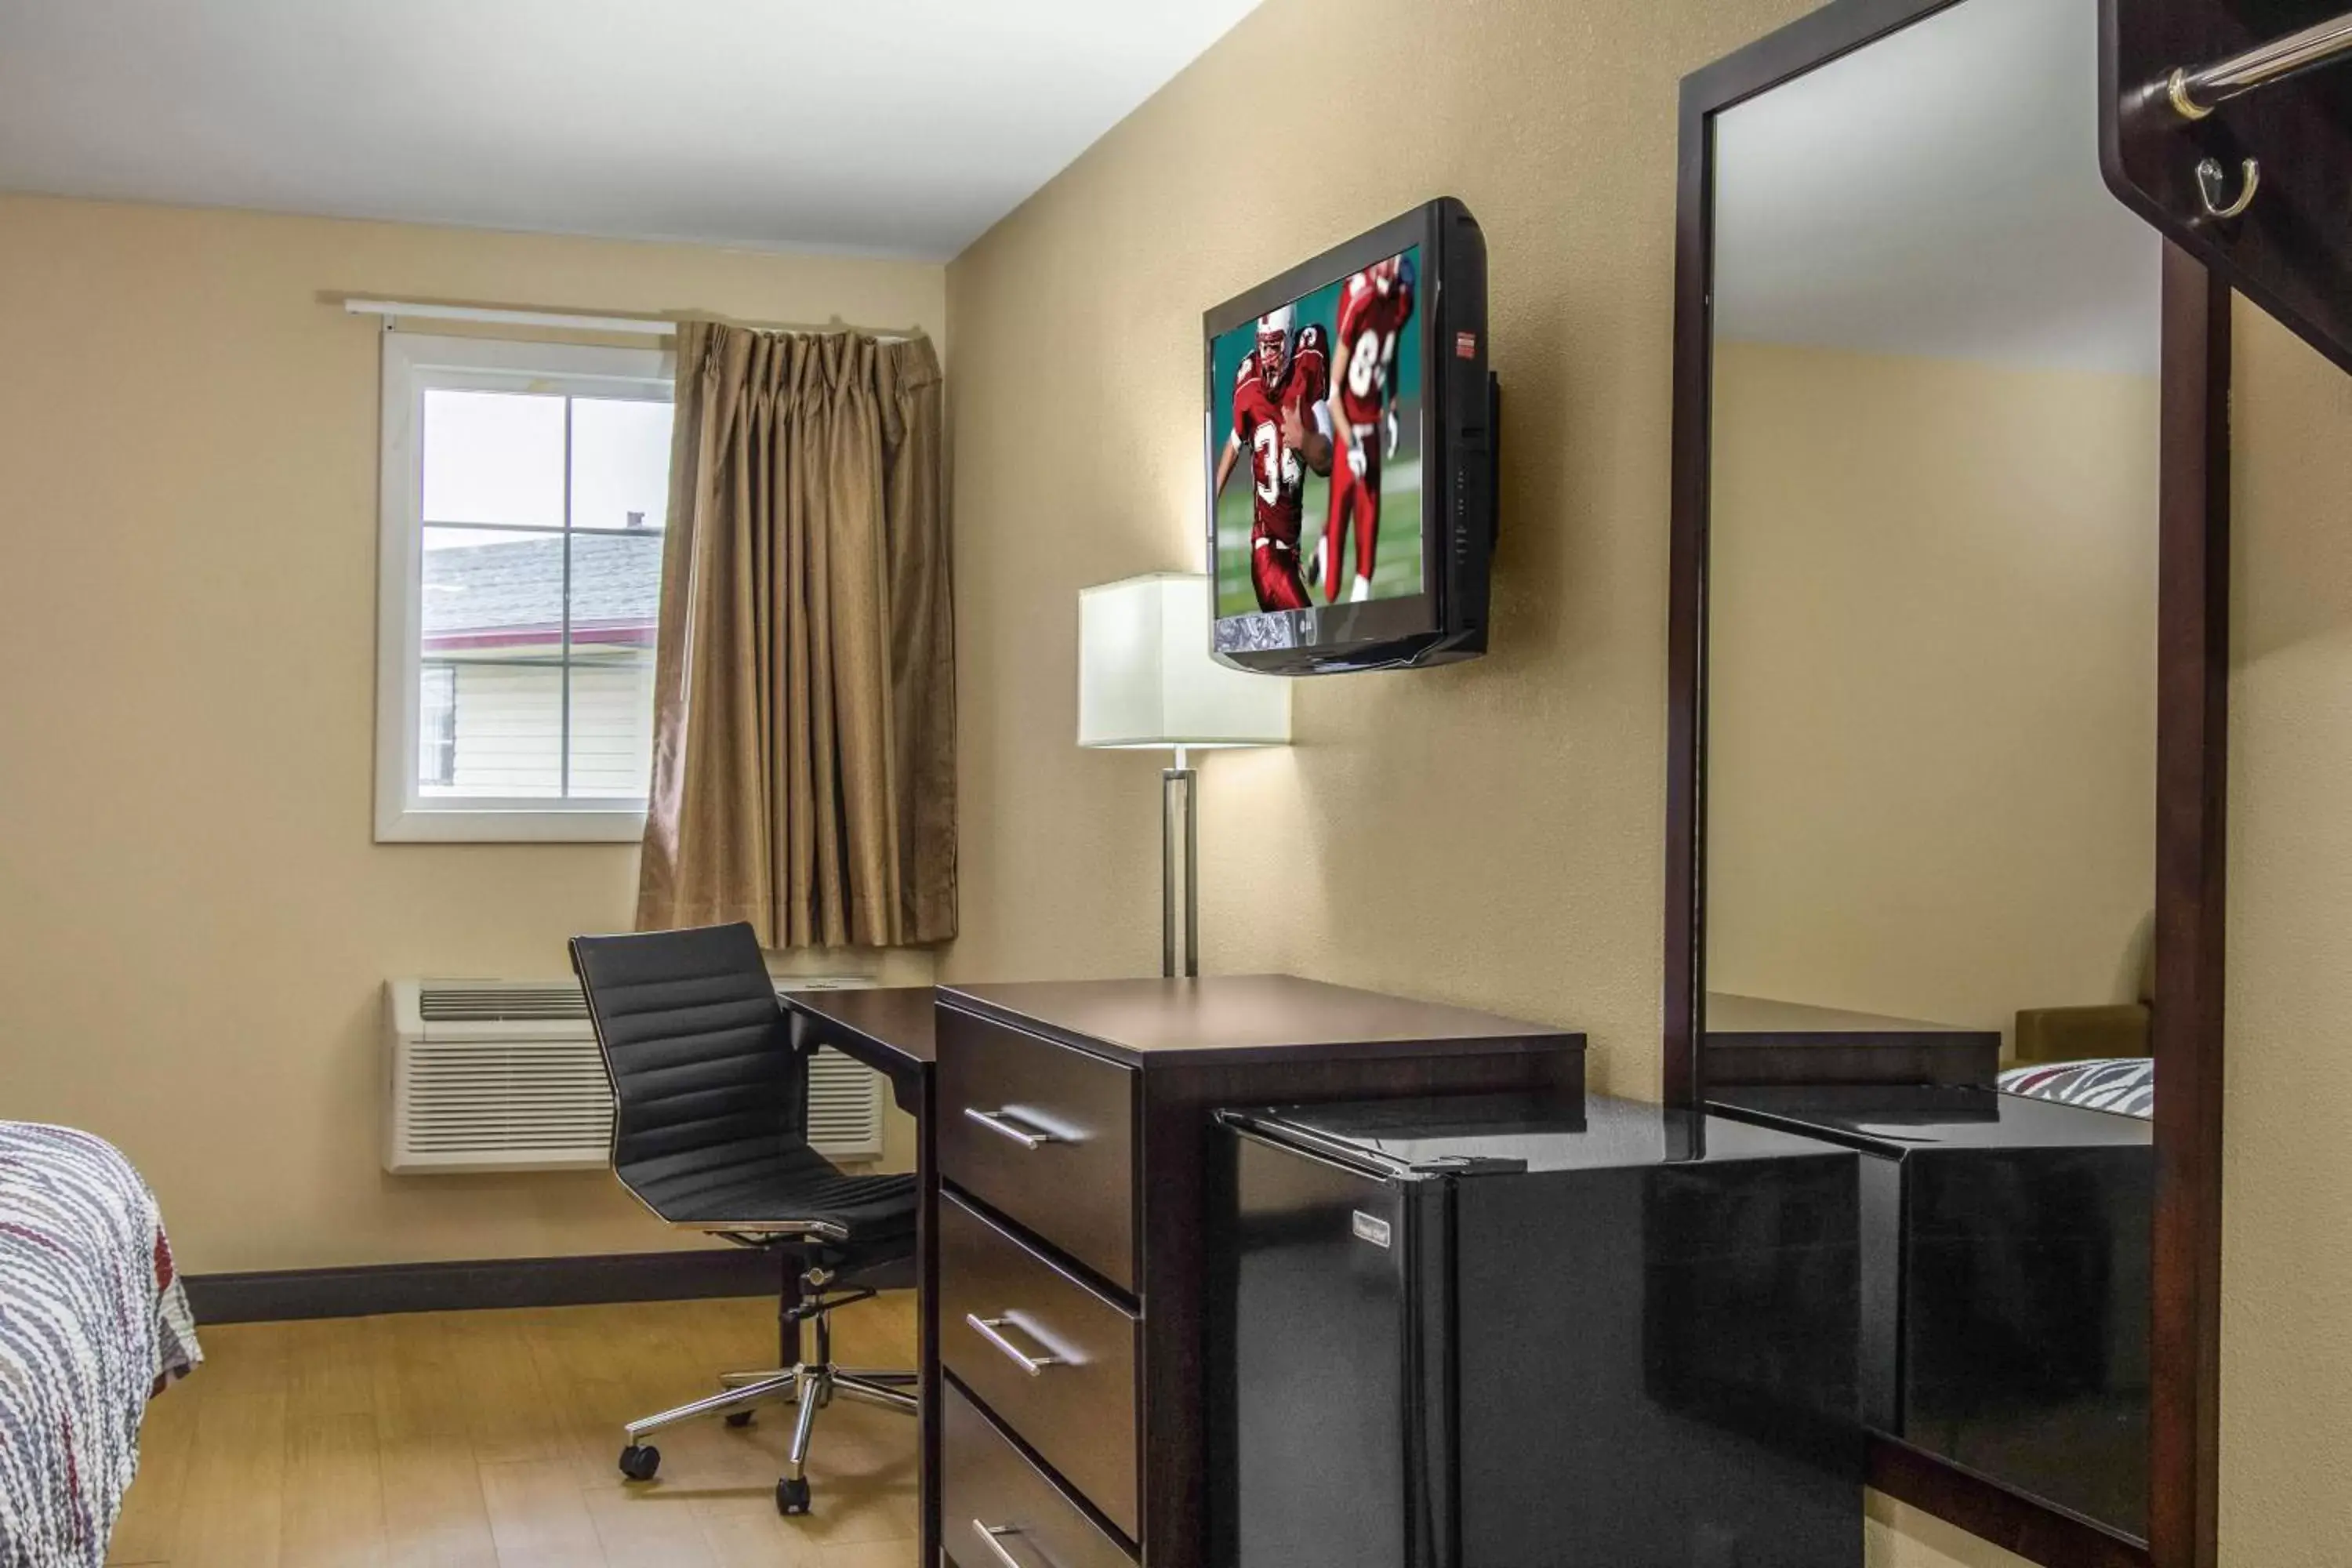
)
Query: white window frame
[{"x": 413, "y": 365}]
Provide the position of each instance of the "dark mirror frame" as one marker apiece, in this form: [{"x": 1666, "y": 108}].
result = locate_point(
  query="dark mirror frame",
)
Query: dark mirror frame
[{"x": 2192, "y": 651}]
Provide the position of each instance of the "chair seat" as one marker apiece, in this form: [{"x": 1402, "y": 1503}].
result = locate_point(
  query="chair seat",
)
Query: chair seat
[{"x": 756, "y": 1182}]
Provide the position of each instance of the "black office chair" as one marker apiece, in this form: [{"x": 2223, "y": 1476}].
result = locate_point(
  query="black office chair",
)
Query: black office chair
[{"x": 710, "y": 1131}]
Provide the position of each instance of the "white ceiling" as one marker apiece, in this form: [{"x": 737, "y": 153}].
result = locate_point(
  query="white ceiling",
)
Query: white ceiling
[
  {"x": 1938, "y": 193},
  {"x": 897, "y": 127}
]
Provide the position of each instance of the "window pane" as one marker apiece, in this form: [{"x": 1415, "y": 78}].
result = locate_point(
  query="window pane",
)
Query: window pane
[
  {"x": 616, "y": 590},
  {"x": 493, "y": 613},
  {"x": 436, "y": 726},
  {"x": 509, "y": 731},
  {"x": 613, "y": 726},
  {"x": 616, "y": 601},
  {"x": 496, "y": 592},
  {"x": 620, "y": 463},
  {"x": 494, "y": 457}
]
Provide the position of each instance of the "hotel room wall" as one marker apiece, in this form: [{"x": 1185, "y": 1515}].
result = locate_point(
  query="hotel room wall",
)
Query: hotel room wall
[
  {"x": 1492, "y": 833},
  {"x": 1932, "y": 734},
  {"x": 2286, "y": 1248},
  {"x": 1484, "y": 832},
  {"x": 194, "y": 922}
]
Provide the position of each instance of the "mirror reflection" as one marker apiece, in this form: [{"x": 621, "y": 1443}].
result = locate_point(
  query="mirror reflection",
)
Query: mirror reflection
[{"x": 1930, "y": 756}]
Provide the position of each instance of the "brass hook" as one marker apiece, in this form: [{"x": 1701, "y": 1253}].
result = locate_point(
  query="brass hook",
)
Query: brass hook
[{"x": 2210, "y": 178}]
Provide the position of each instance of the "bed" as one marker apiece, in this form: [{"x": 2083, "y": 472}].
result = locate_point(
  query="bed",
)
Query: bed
[
  {"x": 2124, "y": 1085},
  {"x": 94, "y": 1322},
  {"x": 2095, "y": 1056}
]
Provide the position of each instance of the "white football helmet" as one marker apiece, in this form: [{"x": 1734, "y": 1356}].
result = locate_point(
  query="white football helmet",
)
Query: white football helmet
[{"x": 1274, "y": 336}]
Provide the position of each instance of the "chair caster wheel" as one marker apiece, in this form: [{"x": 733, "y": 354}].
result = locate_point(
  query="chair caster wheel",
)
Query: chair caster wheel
[
  {"x": 791, "y": 1497},
  {"x": 640, "y": 1461},
  {"x": 738, "y": 1419}
]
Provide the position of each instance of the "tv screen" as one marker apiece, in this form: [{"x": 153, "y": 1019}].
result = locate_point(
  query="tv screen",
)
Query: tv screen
[
  {"x": 1349, "y": 424},
  {"x": 1319, "y": 446}
]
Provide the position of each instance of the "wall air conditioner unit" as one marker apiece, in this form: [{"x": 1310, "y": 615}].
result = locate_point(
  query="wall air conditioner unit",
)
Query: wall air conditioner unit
[{"x": 504, "y": 1075}]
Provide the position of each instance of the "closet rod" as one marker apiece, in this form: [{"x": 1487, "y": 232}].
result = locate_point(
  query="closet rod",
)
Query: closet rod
[
  {"x": 2197, "y": 93},
  {"x": 645, "y": 326}
]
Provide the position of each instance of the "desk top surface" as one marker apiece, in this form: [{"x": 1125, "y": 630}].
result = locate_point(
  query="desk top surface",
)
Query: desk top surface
[
  {"x": 1900, "y": 1120},
  {"x": 893, "y": 1020},
  {"x": 1537, "y": 1133},
  {"x": 1733, "y": 1015},
  {"x": 1223, "y": 1018},
  {"x": 1242, "y": 1017}
]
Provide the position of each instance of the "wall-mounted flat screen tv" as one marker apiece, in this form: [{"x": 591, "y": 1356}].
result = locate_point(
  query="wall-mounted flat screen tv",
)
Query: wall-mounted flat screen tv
[{"x": 1351, "y": 455}]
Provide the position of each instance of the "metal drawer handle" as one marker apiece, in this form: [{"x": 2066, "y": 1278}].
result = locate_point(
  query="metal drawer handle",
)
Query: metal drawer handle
[
  {"x": 988, "y": 1534},
  {"x": 990, "y": 1329},
  {"x": 995, "y": 1120}
]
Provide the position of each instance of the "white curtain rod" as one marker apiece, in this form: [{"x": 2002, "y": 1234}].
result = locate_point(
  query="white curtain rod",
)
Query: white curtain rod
[{"x": 643, "y": 326}]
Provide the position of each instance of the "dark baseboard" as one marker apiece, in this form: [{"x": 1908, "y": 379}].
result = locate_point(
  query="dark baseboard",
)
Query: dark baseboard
[{"x": 293, "y": 1293}]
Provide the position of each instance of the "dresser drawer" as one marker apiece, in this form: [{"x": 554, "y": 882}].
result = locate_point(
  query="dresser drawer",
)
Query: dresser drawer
[
  {"x": 998, "y": 1510},
  {"x": 1042, "y": 1133},
  {"x": 1052, "y": 1358}
]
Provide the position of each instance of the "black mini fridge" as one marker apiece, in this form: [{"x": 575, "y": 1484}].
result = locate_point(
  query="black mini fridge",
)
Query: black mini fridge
[
  {"x": 2007, "y": 1259},
  {"x": 1485, "y": 1332}
]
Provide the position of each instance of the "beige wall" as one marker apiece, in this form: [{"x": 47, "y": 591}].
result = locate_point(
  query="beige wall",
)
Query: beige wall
[
  {"x": 1492, "y": 833},
  {"x": 2286, "y": 1278},
  {"x": 1483, "y": 833},
  {"x": 195, "y": 921},
  {"x": 1931, "y": 769}
]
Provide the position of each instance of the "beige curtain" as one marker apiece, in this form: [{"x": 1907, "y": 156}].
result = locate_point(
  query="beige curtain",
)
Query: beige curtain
[{"x": 804, "y": 676}]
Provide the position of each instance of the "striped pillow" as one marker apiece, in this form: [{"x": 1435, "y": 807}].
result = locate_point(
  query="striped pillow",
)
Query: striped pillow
[{"x": 2125, "y": 1085}]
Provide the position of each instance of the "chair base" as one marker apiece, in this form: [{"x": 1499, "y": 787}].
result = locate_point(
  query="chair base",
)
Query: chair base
[
  {"x": 748, "y": 1391},
  {"x": 809, "y": 1386}
]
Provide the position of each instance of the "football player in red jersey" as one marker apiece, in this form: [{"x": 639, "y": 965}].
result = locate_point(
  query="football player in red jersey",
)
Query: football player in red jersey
[
  {"x": 1374, "y": 307},
  {"x": 1280, "y": 416}
]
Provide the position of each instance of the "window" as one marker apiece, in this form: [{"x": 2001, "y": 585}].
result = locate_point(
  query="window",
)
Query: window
[
  {"x": 436, "y": 727},
  {"x": 526, "y": 488}
]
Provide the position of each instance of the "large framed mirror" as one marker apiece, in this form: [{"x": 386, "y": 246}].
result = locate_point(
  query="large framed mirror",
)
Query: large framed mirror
[{"x": 1947, "y": 743}]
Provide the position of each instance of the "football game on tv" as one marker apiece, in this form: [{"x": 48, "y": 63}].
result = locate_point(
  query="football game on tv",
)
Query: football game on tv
[
  {"x": 1348, "y": 455},
  {"x": 1318, "y": 477}
]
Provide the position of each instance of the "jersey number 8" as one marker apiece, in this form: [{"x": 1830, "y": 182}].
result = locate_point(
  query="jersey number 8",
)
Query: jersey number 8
[{"x": 1368, "y": 364}]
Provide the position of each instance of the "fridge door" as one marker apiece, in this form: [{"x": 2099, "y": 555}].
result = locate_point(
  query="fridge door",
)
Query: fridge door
[{"x": 1326, "y": 1460}]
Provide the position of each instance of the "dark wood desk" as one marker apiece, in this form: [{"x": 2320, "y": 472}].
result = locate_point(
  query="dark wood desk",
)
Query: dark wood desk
[
  {"x": 892, "y": 1029},
  {"x": 1130, "y": 1069},
  {"x": 1753, "y": 1040},
  {"x": 1077, "y": 1210}
]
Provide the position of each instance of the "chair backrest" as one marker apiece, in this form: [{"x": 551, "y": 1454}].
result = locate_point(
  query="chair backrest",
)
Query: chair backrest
[{"x": 695, "y": 1043}]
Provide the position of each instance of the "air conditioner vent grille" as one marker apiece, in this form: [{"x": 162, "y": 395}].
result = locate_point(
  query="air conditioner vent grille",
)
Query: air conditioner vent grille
[
  {"x": 484, "y": 1002},
  {"x": 505, "y": 1097}
]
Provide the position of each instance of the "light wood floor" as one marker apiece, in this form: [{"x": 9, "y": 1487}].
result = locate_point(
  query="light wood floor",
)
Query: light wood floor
[{"x": 487, "y": 1440}]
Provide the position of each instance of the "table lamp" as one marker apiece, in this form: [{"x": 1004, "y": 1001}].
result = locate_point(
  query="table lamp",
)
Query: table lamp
[{"x": 1146, "y": 682}]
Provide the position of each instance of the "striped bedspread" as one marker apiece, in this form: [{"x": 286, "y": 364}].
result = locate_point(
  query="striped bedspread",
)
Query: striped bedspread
[
  {"x": 93, "y": 1322},
  {"x": 2124, "y": 1085}
]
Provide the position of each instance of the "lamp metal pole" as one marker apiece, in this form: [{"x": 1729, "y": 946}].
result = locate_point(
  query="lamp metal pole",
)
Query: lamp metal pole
[{"x": 1179, "y": 819}]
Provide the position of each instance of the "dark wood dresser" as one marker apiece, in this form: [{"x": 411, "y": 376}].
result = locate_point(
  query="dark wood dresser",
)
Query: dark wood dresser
[
  {"x": 1072, "y": 1136},
  {"x": 1752, "y": 1041}
]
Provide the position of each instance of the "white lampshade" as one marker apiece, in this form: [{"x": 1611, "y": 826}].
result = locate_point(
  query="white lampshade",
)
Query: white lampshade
[{"x": 1145, "y": 676}]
